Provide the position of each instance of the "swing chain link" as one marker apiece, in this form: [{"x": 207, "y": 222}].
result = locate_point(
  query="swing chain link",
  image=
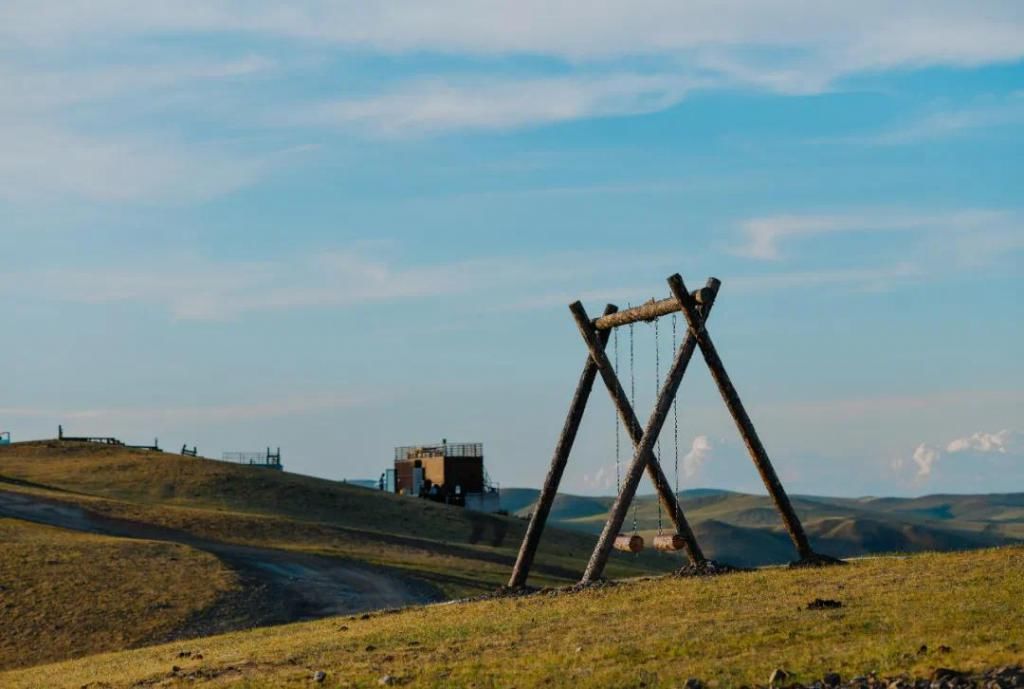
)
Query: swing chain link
[
  {"x": 632, "y": 394},
  {"x": 657, "y": 390},
  {"x": 675, "y": 424},
  {"x": 618, "y": 443}
]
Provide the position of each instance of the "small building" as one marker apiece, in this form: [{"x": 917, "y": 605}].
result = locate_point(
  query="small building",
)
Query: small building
[{"x": 452, "y": 473}]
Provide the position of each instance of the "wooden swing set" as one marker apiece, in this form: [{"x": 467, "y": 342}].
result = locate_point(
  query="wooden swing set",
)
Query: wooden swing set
[{"x": 696, "y": 308}]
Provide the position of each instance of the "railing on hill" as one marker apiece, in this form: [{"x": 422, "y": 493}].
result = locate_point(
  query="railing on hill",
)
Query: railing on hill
[
  {"x": 106, "y": 440},
  {"x": 262, "y": 459},
  {"x": 442, "y": 450}
]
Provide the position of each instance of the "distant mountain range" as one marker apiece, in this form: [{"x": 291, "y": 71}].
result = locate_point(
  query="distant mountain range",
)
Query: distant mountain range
[{"x": 744, "y": 529}]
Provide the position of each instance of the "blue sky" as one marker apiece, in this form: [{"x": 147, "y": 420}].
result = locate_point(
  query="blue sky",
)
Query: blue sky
[{"x": 338, "y": 228}]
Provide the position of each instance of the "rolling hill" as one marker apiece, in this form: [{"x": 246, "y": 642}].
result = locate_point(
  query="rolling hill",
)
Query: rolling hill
[
  {"x": 243, "y": 504},
  {"x": 745, "y": 530},
  {"x": 252, "y": 547},
  {"x": 294, "y": 547}
]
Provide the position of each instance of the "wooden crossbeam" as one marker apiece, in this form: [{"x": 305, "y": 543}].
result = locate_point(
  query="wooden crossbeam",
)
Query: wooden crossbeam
[{"x": 648, "y": 311}]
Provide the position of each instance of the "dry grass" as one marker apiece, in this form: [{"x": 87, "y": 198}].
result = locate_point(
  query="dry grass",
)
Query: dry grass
[
  {"x": 460, "y": 552},
  {"x": 65, "y": 594},
  {"x": 728, "y": 630}
]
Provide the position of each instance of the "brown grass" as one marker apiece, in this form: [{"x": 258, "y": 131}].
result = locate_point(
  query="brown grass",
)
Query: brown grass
[
  {"x": 65, "y": 594},
  {"x": 460, "y": 552},
  {"x": 729, "y": 631}
]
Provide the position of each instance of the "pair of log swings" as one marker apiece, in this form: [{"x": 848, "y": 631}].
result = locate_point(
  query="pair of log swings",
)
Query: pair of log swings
[
  {"x": 634, "y": 542},
  {"x": 696, "y": 308}
]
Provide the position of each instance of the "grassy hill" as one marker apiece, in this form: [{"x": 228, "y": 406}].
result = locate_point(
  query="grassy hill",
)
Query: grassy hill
[
  {"x": 58, "y": 601},
  {"x": 745, "y": 529},
  {"x": 897, "y": 616},
  {"x": 173, "y": 502},
  {"x": 460, "y": 551},
  {"x": 182, "y": 507}
]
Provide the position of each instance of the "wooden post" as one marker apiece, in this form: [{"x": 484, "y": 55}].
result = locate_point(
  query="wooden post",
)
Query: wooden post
[
  {"x": 644, "y": 440},
  {"x": 739, "y": 415},
  {"x": 563, "y": 447}
]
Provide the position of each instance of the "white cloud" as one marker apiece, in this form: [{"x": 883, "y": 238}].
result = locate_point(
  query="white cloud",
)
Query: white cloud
[
  {"x": 40, "y": 161},
  {"x": 784, "y": 46},
  {"x": 33, "y": 91},
  {"x": 197, "y": 289},
  {"x": 281, "y": 406},
  {"x": 700, "y": 451},
  {"x": 974, "y": 459},
  {"x": 444, "y": 105},
  {"x": 946, "y": 123},
  {"x": 1003, "y": 442},
  {"x": 600, "y": 481},
  {"x": 45, "y": 156},
  {"x": 925, "y": 457},
  {"x": 844, "y": 36},
  {"x": 764, "y": 237}
]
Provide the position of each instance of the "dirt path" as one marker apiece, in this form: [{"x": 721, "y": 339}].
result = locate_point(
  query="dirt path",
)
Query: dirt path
[{"x": 278, "y": 586}]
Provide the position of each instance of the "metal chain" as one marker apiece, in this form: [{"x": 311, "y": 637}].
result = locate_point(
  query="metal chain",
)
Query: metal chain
[
  {"x": 675, "y": 422},
  {"x": 618, "y": 443},
  {"x": 657, "y": 389},
  {"x": 632, "y": 396}
]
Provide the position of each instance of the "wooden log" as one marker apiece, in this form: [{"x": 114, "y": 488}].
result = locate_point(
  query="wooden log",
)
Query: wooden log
[
  {"x": 643, "y": 440},
  {"x": 650, "y": 310},
  {"x": 739, "y": 414},
  {"x": 528, "y": 548},
  {"x": 629, "y": 544},
  {"x": 669, "y": 542}
]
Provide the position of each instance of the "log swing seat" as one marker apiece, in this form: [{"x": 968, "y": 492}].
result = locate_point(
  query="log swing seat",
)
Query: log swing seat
[
  {"x": 669, "y": 542},
  {"x": 629, "y": 543}
]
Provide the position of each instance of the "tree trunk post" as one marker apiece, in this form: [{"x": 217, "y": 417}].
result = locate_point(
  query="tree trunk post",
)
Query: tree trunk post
[
  {"x": 563, "y": 447},
  {"x": 739, "y": 415}
]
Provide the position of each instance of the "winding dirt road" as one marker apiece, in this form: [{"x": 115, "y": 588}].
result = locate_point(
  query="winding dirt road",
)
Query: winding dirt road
[{"x": 278, "y": 586}]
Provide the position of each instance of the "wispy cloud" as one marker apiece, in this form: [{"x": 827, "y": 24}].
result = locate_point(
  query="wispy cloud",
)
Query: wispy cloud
[
  {"x": 280, "y": 406},
  {"x": 851, "y": 35},
  {"x": 873, "y": 279},
  {"x": 942, "y": 124},
  {"x": 777, "y": 46},
  {"x": 42, "y": 161},
  {"x": 437, "y": 105},
  {"x": 199, "y": 289},
  {"x": 701, "y": 450},
  {"x": 195, "y": 288},
  {"x": 973, "y": 454},
  {"x": 35, "y": 90},
  {"x": 763, "y": 237},
  {"x": 45, "y": 155}
]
